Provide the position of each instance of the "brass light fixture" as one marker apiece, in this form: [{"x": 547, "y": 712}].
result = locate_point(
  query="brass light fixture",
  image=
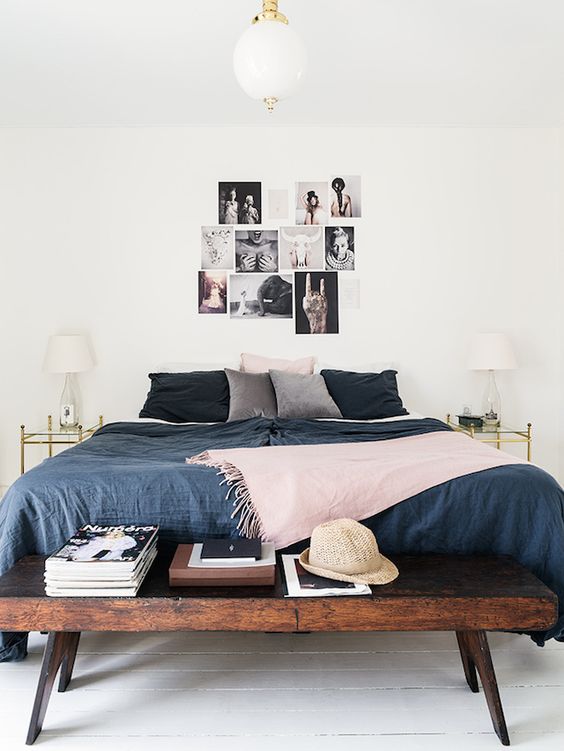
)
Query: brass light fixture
[{"x": 270, "y": 58}]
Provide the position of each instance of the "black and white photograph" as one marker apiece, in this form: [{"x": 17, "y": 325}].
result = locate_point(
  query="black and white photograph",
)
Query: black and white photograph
[
  {"x": 239, "y": 203},
  {"x": 317, "y": 302},
  {"x": 217, "y": 247},
  {"x": 345, "y": 196},
  {"x": 256, "y": 250},
  {"x": 301, "y": 248},
  {"x": 312, "y": 203},
  {"x": 212, "y": 292},
  {"x": 339, "y": 248},
  {"x": 260, "y": 296}
]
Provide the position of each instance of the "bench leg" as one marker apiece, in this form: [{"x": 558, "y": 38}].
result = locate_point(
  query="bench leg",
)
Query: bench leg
[
  {"x": 476, "y": 655},
  {"x": 59, "y": 648},
  {"x": 467, "y": 662},
  {"x": 68, "y": 660}
]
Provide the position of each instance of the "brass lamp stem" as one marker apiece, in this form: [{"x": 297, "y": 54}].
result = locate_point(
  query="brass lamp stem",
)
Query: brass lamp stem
[{"x": 270, "y": 12}]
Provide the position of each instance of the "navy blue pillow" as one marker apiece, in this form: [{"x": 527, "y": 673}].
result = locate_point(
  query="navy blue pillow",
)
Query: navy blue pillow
[
  {"x": 365, "y": 396},
  {"x": 201, "y": 396}
]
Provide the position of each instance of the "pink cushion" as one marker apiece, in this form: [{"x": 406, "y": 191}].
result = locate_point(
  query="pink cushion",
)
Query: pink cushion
[{"x": 259, "y": 364}]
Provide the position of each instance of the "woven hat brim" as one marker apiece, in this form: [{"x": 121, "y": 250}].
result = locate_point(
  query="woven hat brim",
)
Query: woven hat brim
[{"x": 385, "y": 574}]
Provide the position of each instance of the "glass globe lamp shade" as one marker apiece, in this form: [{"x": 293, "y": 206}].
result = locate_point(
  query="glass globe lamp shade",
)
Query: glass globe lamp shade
[{"x": 269, "y": 61}]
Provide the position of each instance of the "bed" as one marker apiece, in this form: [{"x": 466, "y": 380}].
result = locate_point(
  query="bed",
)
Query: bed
[{"x": 135, "y": 472}]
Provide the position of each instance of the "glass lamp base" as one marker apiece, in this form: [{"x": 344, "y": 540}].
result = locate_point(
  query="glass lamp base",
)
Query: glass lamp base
[
  {"x": 69, "y": 407},
  {"x": 492, "y": 403}
]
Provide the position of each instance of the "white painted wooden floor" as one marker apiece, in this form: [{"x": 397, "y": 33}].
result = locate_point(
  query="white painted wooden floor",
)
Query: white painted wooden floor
[{"x": 278, "y": 692}]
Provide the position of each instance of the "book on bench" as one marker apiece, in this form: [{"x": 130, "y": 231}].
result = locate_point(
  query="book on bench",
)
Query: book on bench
[
  {"x": 189, "y": 570},
  {"x": 231, "y": 551}
]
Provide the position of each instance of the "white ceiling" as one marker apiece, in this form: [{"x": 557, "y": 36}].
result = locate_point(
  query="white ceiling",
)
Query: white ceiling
[{"x": 382, "y": 62}]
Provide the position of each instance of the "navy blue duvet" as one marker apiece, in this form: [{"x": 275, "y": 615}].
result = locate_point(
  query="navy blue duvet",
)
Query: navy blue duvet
[{"x": 136, "y": 473}]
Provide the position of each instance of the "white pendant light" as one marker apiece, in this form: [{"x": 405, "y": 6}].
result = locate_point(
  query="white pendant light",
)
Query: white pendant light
[{"x": 269, "y": 59}]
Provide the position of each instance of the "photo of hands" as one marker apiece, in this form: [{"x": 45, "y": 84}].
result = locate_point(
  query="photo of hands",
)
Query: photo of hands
[
  {"x": 256, "y": 251},
  {"x": 317, "y": 302}
]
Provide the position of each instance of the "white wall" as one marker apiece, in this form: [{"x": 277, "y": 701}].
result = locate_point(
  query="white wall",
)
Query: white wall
[
  {"x": 100, "y": 232},
  {"x": 560, "y": 252}
]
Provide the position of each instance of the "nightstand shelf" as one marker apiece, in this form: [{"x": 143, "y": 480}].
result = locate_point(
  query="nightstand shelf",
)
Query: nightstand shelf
[
  {"x": 50, "y": 437},
  {"x": 497, "y": 435}
]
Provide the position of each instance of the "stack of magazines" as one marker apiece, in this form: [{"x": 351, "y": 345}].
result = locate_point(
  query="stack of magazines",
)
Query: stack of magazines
[{"x": 102, "y": 561}]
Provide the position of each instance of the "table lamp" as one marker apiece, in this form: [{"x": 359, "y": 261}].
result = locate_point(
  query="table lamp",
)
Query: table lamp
[
  {"x": 491, "y": 352},
  {"x": 68, "y": 354}
]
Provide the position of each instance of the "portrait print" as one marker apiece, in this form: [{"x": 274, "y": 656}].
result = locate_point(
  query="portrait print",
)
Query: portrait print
[
  {"x": 339, "y": 248},
  {"x": 212, "y": 292},
  {"x": 317, "y": 302},
  {"x": 239, "y": 203},
  {"x": 217, "y": 247},
  {"x": 301, "y": 248},
  {"x": 260, "y": 296},
  {"x": 312, "y": 203},
  {"x": 345, "y": 196},
  {"x": 256, "y": 250}
]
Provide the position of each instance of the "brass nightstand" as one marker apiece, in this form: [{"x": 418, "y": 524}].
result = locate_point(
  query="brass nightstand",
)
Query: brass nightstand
[
  {"x": 50, "y": 437},
  {"x": 498, "y": 435}
]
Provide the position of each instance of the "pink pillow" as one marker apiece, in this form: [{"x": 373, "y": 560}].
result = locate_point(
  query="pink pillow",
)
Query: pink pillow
[{"x": 259, "y": 364}]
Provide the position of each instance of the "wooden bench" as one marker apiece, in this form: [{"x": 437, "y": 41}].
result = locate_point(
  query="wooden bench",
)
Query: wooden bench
[{"x": 468, "y": 595}]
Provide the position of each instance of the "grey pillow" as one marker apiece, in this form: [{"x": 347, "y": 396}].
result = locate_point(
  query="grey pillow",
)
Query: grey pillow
[
  {"x": 250, "y": 395},
  {"x": 302, "y": 396}
]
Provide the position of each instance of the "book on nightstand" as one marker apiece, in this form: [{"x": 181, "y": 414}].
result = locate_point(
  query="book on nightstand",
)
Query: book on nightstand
[{"x": 189, "y": 569}]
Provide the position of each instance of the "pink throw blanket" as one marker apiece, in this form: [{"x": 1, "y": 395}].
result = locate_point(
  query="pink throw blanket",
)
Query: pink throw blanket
[{"x": 283, "y": 492}]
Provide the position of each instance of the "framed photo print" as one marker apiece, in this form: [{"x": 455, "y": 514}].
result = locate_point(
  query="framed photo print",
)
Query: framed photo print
[
  {"x": 217, "y": 247},
  {"x": 301, "y": 247},
  {"x": 256, "y": 250},
  {"x": 312, "y": 203},
  {"x": 345, "y": 196},
  {"x": 317, "y": 302},
  {"x": 260, "y": 296},
  {"x": 339, "y": 248},
  {"x": 212, "y": 292},
  {"x": 239, "y": 203}
]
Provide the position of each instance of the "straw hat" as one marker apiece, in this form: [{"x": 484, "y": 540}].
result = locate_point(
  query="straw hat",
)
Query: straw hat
[{"x": 347, "y": 551}]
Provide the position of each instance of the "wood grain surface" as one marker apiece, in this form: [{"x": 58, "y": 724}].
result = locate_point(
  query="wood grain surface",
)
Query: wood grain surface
[{"x": 433, "y": 592}]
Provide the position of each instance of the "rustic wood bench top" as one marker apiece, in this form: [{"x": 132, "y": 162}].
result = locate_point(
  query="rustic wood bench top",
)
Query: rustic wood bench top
[
  {"x": 469, "y": 595},
  {"x": 432, "y": 593}
]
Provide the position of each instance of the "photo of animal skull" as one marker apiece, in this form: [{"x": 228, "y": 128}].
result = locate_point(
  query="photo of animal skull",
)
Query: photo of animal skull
[
  {"x": 217, "y": 247},
  {"x": 301, "y": 248}
]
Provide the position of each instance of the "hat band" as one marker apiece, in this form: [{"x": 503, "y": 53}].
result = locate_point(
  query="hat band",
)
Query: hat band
[{"x": 356, "y": 567}]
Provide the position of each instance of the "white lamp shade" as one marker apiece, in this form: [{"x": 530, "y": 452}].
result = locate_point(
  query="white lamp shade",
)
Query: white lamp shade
[
  {"x": 68, "y": 354},
  {"x": 491, "y": 352},
  {"x": 269, "y": 60}
]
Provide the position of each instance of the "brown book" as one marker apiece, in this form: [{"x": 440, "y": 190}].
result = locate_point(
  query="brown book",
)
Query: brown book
[{"x": 181, "y": 575}]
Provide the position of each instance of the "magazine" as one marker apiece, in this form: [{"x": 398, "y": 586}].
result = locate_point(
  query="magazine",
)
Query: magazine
[
  {"x": 118, "y": 548},
  {"x": 300, "y": 583},
  {"x": 65, "y": 580},
  {"x": 92, "y": 588}
]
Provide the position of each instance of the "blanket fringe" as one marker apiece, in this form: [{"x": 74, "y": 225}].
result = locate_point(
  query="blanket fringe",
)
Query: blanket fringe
[{"x": 249, "y": 523}]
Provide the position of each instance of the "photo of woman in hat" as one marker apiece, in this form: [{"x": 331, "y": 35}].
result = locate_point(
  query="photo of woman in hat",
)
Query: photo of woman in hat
[{"x": 311, "y": 203}]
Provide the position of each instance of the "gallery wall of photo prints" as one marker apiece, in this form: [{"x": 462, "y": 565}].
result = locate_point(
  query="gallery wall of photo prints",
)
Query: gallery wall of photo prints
[{"x": 251, "y": 270}]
